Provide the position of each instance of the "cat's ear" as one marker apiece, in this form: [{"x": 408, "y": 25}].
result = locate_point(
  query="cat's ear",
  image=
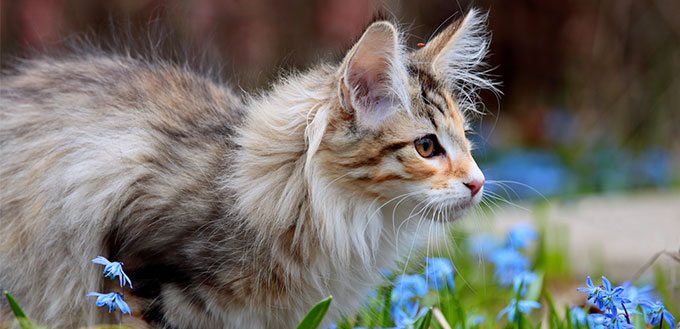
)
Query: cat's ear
[
  {"x": 457, "y": 54},
  {"x": 374, "y": 79}
]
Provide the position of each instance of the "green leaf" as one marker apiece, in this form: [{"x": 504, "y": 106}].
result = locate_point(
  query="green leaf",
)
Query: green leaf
[
  {"x": 534, "y": 289},
  {"x": 315, "y": 315},
  {"x": 24, "y": 323},
  {"x": 639, "y": 321},
  {"x": 424, "y": 321}
]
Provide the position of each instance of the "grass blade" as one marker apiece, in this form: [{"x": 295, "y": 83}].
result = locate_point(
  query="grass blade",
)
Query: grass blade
[
  {"x": 16, "y": 309},
  {"x": 387, "y": 302},
  {"x": 424, "y": 321},
  {"x": 315, "y": 315},
  {"x": 24, "y": 323}
]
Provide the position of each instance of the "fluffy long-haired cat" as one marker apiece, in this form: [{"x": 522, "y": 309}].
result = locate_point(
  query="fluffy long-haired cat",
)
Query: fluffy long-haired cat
[{"x": 231, "y": 211}]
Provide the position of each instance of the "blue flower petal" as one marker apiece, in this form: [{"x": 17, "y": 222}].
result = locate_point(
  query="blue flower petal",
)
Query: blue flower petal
[
  {"x": 669, "y": 318},
  {"x": 476, "y": 320},
  {"x": 123, "y": 306},
  {"x": 522, "y": 235},
  {"x": 524, "y": 306},
  {"x": 407, "y": 289},
  {"x": 113, "y": 270},
  {"x": 439, "y": 273},
  {"x": 606, "y": 284},
  {"x": 111, "y": 301},
  {"x": 589, "y": 282},
  {"x": 522, "y": 279},
  {"x": 483, "y": 244},
  {"x": 101, "y": 260},
  {"x": 578, "y": 316}
]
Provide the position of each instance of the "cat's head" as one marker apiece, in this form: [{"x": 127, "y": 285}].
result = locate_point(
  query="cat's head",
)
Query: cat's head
[{"x": 401, "y": 130}]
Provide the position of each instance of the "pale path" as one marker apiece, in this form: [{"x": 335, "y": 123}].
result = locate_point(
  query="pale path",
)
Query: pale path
[{"x": 616, "y": 234}]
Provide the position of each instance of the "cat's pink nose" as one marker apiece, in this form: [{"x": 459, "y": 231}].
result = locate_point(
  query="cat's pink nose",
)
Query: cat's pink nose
[{"x": 474, "y": 186}]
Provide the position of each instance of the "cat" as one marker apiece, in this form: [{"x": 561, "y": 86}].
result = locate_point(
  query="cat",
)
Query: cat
[{"x": 232, "y": 211}]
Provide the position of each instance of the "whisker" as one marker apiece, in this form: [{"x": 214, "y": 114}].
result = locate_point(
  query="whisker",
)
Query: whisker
[
  {"x": 411, "y": 214},
  {"x": 520, "y": 184},
  {"x": 415, "y": 236},
  {"x": 397, "y": 235},
  {"x": 402, "y": 196},
  {"x": 486, "y": 201},
  {"x": 509, "y": 203}
]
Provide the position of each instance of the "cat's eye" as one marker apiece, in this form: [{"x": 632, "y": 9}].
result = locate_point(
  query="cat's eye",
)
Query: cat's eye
[{"x": 428, "y": 146}]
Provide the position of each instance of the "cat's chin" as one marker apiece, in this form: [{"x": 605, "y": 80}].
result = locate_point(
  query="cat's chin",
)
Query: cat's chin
[{"x": 452, "y": 212}]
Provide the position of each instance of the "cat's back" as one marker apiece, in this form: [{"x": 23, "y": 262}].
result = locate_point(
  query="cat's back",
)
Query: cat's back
[
  {"x": 101, "y": 119},
  {"x": 89, "y": 88}
]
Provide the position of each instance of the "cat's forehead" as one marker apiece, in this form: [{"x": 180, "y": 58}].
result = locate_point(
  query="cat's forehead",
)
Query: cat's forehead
[{"x": 432, "y": 100}]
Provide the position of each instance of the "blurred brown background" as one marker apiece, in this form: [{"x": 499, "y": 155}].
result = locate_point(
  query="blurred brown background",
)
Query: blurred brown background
[{"x": 576, "y": 74}]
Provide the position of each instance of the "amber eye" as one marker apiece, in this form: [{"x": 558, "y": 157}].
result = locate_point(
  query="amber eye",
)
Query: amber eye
[{"x": 427, "y": 146}]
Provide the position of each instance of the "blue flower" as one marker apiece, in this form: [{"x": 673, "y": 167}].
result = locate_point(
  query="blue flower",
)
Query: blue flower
[
  {"x": 475, "y": 320},
  {"x": 439, "y": 273},
  {"x": 483, "y": 244},
  {"x": 613, "y": 297},
  {"x": 521, "y": 236},
  {"x": 635, "y": 294},
  {"x": 578, "y": 317},
  {"x": 594, "y": 292},
  {"x": 508, "y": 263},
  {"x": 612, "y": 321},
  {"x": 605, "y": 297},
  {"x": 655, "y": 311},
  {"x": 111, "y": 301},
  {"x": 407, "y": 288},
  {"x": 406, "y": 315},
  {"x": 594, "y": 322},
  {"x": 112, "y": 270},
  {"x": 524, "y": 306},
  {"x": 523, "y": 279}
]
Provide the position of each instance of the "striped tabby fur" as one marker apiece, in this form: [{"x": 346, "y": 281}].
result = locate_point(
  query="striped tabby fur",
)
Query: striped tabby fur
[{"x": 229, "y": 211}]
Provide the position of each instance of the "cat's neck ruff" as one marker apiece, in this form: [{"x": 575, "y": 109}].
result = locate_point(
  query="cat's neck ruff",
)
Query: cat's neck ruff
[{"x": 279, "y": 185}]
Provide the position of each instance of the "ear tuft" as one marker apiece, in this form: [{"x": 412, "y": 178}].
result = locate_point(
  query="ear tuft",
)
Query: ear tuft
[
  {"x": 374, "y": 76},
  {"x": 457, "y": 55}
]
